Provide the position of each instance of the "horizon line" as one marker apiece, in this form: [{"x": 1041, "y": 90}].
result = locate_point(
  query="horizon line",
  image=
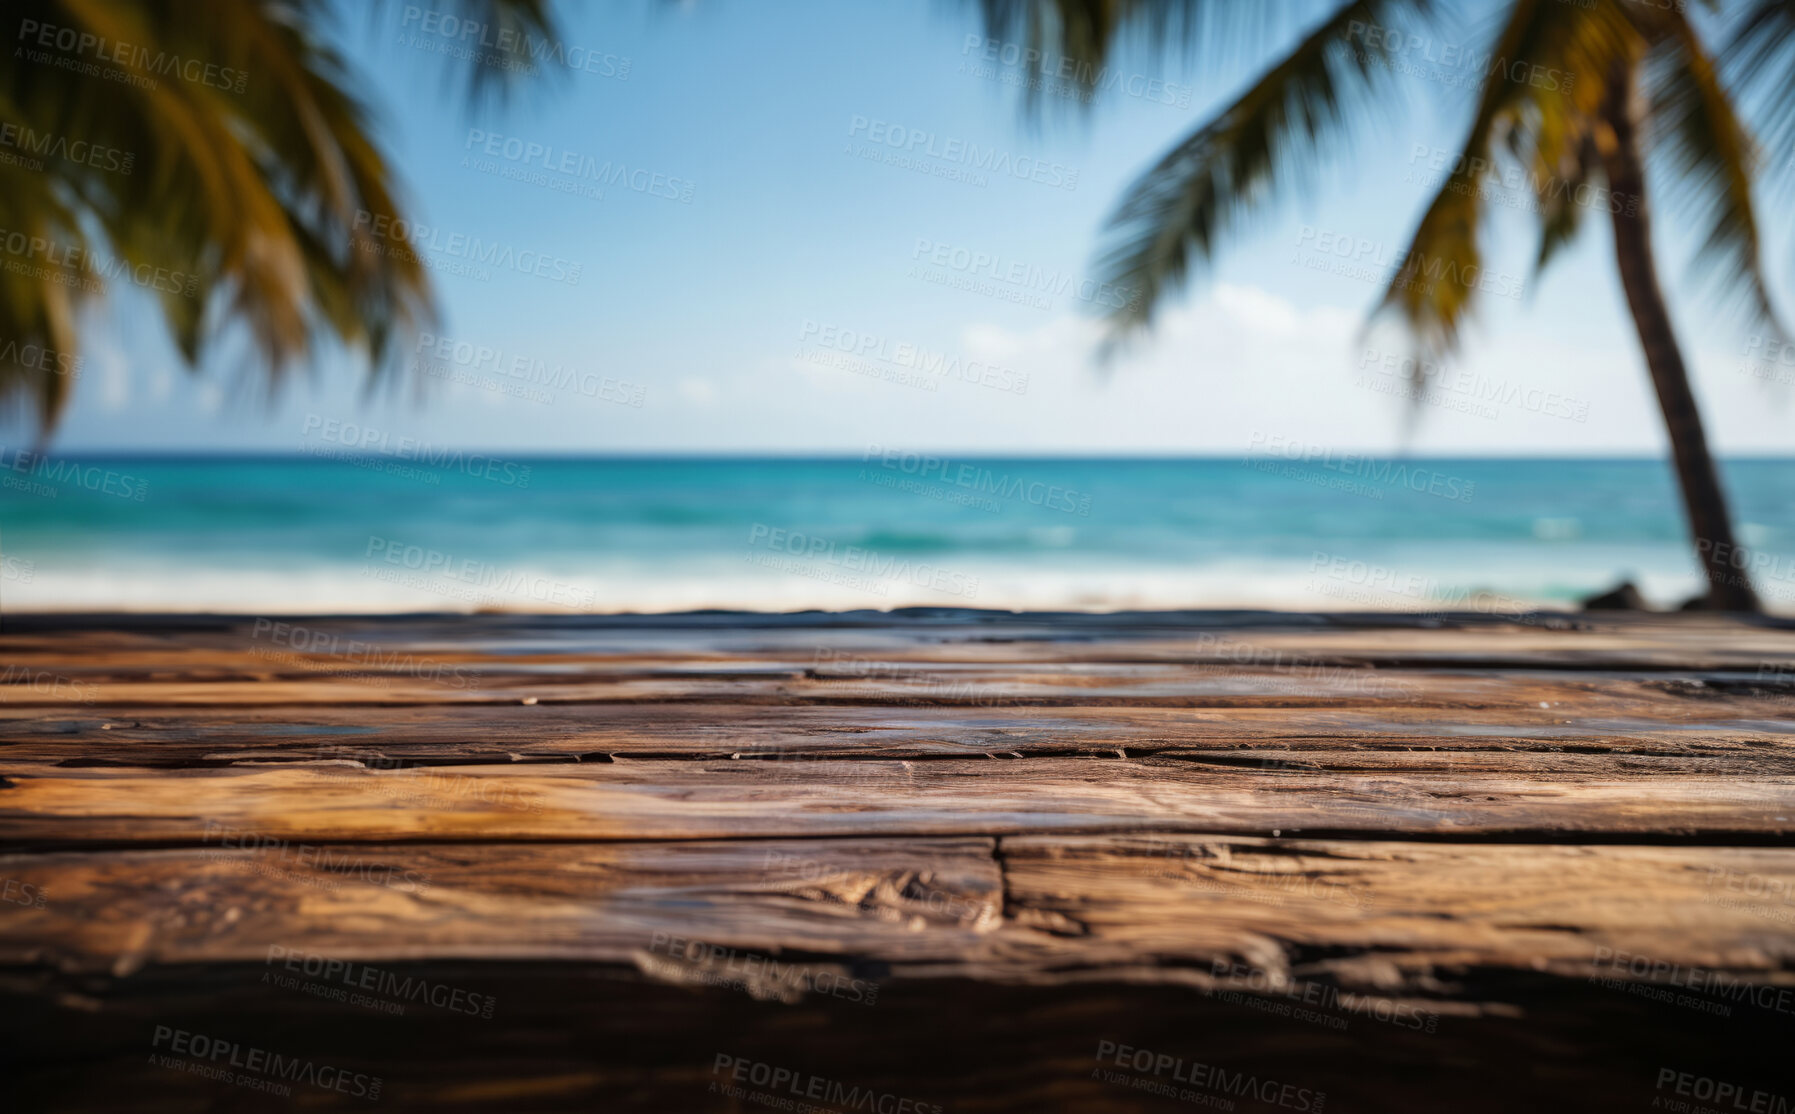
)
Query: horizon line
[{"x": 845, "y": 456}]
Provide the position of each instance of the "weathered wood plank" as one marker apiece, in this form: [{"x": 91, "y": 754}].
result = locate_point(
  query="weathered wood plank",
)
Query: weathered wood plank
[
  {"x": 150, "y": 735},
  {"x": 659, "y": 799},
  {"x": 1403, "y": 915},
  {"x": 911, "y": 900},
  {"x": 783, "y": 918},
  {"x": 763, "y": 681}
]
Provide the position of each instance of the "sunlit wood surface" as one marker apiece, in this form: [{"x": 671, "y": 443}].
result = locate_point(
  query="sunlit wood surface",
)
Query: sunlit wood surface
[{"x": 1444, "y": 863}]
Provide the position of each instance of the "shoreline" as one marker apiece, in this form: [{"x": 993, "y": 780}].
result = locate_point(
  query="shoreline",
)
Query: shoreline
[{"x": 52, "y": 619}]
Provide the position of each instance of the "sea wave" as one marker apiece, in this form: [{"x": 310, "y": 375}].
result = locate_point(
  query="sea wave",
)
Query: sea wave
[{"x": 351, "y": 590}]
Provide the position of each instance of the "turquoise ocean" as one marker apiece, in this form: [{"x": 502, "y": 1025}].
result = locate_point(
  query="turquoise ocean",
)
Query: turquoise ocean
[{"x": 398, "y": 532}]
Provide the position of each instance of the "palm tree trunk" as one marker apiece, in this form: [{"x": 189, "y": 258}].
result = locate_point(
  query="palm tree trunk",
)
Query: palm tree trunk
[{"x": 1729, "y": 585}]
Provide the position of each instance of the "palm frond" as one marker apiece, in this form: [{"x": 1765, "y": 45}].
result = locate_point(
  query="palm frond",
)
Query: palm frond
[
  {"x": 239, "y": 174},
  {"x": 1089, "y": 34},
  {"x": 1711, "y": 160},
  {"x": 515, "y": 35},
  {"x": 1179, "y": 213},
  {"x": 1758, "y": 58},
  {"x": 1565, "y": 54}
]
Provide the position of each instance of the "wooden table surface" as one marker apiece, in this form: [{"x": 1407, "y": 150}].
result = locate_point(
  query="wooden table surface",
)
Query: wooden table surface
[{"x": 979, "y": 861}]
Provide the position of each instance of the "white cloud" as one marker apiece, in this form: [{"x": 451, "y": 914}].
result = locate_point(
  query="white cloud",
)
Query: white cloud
[
  {"x": 1241, "y": 363},
  {"x": 698, "y": 392}
]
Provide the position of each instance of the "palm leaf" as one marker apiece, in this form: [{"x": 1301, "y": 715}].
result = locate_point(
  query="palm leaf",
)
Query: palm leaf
[
  {"x": 1544, "y": 125},
  {"x": 242, "y": 202},
  {"x": 1088, "y": 34},
  {"x": 1712, "y": 160},
  {"x": 1759, "y": 56},
  {"x": 1179, "y": 213},
  {"x": 514, "y": 31}
]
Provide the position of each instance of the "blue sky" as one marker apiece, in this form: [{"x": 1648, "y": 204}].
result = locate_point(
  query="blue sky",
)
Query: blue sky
[{"x": 717, "y": 323}]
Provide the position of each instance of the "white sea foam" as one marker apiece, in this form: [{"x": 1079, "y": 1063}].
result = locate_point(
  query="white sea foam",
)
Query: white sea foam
[{"x": 324, "y": 589}]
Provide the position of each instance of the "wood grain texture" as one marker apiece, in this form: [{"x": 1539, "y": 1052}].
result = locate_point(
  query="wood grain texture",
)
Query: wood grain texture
[
  {"x": 1398, "y": 917},
  {"x": 1451, "y": 862},
  {"x": 661, "y": 799}
]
